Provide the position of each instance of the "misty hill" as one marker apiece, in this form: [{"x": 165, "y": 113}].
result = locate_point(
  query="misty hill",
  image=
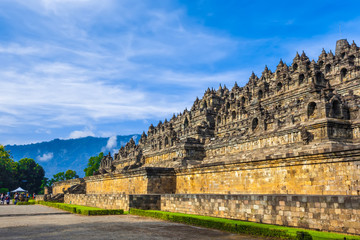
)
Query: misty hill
[{"x": 60, "y": 155}]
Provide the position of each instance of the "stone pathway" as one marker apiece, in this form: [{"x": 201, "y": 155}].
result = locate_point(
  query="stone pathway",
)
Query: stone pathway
[{"x": 40, "y": 222}]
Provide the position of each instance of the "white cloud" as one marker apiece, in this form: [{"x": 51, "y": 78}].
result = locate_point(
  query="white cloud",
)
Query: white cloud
[
  {"x": 42, "y": 130},
  {"x": 45, "y": 157},
  {"x": 81, "y": 134},
  {"x": 76, "y": 76},
  {"x": 111, "y": 143},
  {"x": 16, "y": 49}
]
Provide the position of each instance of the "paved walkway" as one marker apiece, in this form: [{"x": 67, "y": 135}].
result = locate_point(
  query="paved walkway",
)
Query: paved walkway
[{"x": 40, "y": 222}]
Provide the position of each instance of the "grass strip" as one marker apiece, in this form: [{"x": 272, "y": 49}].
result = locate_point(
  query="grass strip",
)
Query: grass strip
[
  {"x": 25, "y": 203},
  {"x": 84, "y": 210},
  {"x": 236, "y": 226}
]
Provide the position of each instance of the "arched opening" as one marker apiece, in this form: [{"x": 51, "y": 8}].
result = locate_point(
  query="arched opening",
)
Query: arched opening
[
  {"x": 260, "y": 94},
  {"x": 346, "y": 113},
  {"x": 233, "y": 115},
  {"x": 342, "y": 55},
  {"x": 311, "y": 109},
  {"x": 254, "y": 124},
  {"x": 295, "y": 66},
  {"x": 279, "y": 86},
  {"x": 327, "y": 68},
  {"x": 186, "y": 123},
  {"x": 205, "y": 104},
  {"x": 238, "y": 103},
  {"x": 352, "y": 60},
  {"x": 218, "y": 119},
  {"x": 321, "y": 63},
  {"x": 243, "y": 100},
  {"x": 284, "y": 76},
  {"x": 301, "y": 79},
  {"x": 160, "y": 144},
  {"x": 163, "y": 128},
  {"x": 166, "y": 141},
  {"x": 228, "y": 105},
  {"x": 232, "y": 95},
  {"x": 343, "y": 73},
  {"x": 318, "y": 78},
  {"x": 336, "y": 109}
]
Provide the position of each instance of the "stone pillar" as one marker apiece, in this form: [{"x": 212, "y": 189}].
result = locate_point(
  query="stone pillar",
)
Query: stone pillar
[{"x": 340, "y": 46}]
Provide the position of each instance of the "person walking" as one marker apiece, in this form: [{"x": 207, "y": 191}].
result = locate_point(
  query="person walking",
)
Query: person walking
[
  {"x": 16, "y": 198},
  {"x": 8, "y": 199},
  {"x": 2, "y": 198}
]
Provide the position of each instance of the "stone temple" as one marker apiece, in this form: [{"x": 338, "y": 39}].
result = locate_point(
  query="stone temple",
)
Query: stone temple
[{"x": 283, "y": 149}]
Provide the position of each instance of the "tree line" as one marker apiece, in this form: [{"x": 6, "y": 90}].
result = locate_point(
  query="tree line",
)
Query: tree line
[{"x": 29, "y": 175}]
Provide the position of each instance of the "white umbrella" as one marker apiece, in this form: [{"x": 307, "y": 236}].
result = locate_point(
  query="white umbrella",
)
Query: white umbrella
[{"x": 19, "y": 189}]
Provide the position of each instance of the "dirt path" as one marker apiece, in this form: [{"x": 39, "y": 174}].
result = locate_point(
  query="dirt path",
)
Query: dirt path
[{"x": 40, "y": 222}]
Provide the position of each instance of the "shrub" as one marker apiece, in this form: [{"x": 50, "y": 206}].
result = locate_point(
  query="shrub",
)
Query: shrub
[
  {"x": 93, "y": 212},
  {"x": 300, "y": 235},
  {"x": 25, "y": 203}
]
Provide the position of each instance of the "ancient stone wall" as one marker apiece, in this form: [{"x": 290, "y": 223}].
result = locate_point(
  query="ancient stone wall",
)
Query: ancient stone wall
[
  {"x": 59, "y": 187},
  {"x": 115, "y": 201},
  {"x": 320, "y": 212},
  {"x": 106, "y": 201},
  {"x": 144, "y": 181},
  {"x": 116, "y": 184},
  {"x": 334, "y": 173},
  {"x": 40, "y": 197},
  {"x": 325, "y": 212},
  {"x": 145, "y": 202}
]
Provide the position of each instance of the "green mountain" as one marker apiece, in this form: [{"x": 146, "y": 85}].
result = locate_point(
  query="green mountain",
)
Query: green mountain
[{"x": 60, "y": 155}]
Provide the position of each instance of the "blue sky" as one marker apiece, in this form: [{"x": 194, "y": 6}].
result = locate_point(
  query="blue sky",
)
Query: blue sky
[{"x": 75, "y": 68}]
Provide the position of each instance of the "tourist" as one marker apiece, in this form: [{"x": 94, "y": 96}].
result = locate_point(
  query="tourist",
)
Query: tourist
[
  {"x": 16, "y": 197},
  {"x": 2, "y": 198},
  {"x": 21, "y": 197},
  {"x": 7, "y": 198}
]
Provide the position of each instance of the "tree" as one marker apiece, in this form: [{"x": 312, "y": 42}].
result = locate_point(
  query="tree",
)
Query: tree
[
  {"x": 44, "y": 183},
  {"x": 93, "y": 164},
  {"x": 58, "y": 177},
  {"x": 71, "y": 174},
  {"x": 7, "y": 170},
  {"x": 61, "y": 176},
  {"x": 29, "y": 174},
  {"x": 25, "y": 173}
]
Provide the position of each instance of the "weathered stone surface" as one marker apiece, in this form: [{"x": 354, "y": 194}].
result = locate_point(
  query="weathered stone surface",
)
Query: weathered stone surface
[
  {"x": 272, "y": 209},
  {"x": 106, "y": 201}
]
